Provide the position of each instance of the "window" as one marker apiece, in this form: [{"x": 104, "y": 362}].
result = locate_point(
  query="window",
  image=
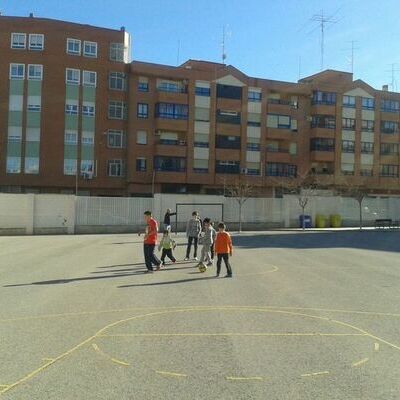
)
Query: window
[
  {"x": 71, "y": 109},
  {"x": 390, "y": 106},
  {"x": 13, "y": 165},
  {"x": 202, "y": 114},
  {"x": 170, "y": 164},
  {"x": 36, "y": 41},
  {"x": 367, "y": 103},
  {"x": 17, "y": 71},
  {"x": 117, "y": 80},
  {"x": 281, "y": 169},
  {"x": 87, "y": 168},
  {"x": 389, "y": 149},
  {"x": 74, "y": 47},
  {"x": 322, "y": 144},
  {"x": 229, "y": 92},
  {"x": 327, "y": 98},
  {"x": 227, "y": 142},
  {"x": 143, "y": 84},
  {"x": 227, "y": 167},
  {"x": 390, "y": 171},
  {"x": 202, "y": 91},
  {"x": 366, "y": 171},
  {"x": 228, "y": 117},
  {"x": 117, "y": 52},
  {"x": 172, "y": 111},
  {"x": 252, "y": 171},
  {"x": 35, "y": 72},
  {"x": 87, "y": 138},
  {"x": 349, "y": 101},
  {"x": 34, "y": 103},
  {"x": 367, "y": 147},
  {"x": 116, "y": 168},
  {"x": 90, "y": 49},
  {"x": 323, "y": 121},
  {"x": 200, "y": 166},
  {"x": 171, "y": 86},
  {"x": 117, "y": 110},
  {"x": 72, "y": 76},
  {"x": 348, "y": 146},
  {"x": 254, "y": 96},
  {"x": 141, "y": 164},
  {"x": 89, "y": 78},
  {"x": 349, "y": 124},
  {"x": 389, "y": 127},
  {"x": 253, "y": 146},
  {"x": 70, "y": 165},
  {"x": 141, "y": 137},
  {"x": 367, "y": 125},
  {"x": 116, "y": 139},
  {"x": 88, "y": 111},
  {"x": 253, "y": 119},
  {"x": 347, "y": 169},
  {"x": 142, "y": 110},
  {"x": 71, "y": 138},
  {"x": 278, "y": 121},
  {"x": 18, "y": 40},
  {"x": 31, "y": 165}
]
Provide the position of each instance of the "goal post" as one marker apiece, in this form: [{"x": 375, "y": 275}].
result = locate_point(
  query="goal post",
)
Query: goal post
[{"x": 214, "y": 211}]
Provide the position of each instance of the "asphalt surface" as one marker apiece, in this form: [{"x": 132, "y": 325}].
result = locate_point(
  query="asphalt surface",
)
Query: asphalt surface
[{"x": 305, "y": 316}]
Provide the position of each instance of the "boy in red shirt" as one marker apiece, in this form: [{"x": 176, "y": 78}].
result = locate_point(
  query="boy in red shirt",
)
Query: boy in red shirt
[
  {"x": 223, "y": 249},
  {"x": 150, "y": 241}
]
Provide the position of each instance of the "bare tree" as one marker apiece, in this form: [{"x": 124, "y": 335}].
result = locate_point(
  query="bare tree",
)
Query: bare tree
[
  {"x": 241, "y": 191},
  {"x": 358, "y": 190},
  {"x": 303, "y": 186}
]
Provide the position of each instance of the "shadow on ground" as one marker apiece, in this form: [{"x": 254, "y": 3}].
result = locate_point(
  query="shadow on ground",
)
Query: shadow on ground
[{"x": 367, "y": 240}]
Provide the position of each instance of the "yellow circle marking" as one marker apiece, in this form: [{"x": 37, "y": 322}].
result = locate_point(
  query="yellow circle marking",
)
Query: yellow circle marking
[{"x": 177, "y": 310}]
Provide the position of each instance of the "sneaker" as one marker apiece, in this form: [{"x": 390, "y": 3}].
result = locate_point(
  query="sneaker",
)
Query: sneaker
[
  {"x": 158, "y": 267},
  {"x": 217, "y": 275},
  {"x": 195, "y": 259},
  {"x": 186, "y": 259},
  {"x": 209, "y": 264},
  {"x": 163, "y": 264},
  {"x": 228, "y": 276},
  {"x": 149, "y": 271}
]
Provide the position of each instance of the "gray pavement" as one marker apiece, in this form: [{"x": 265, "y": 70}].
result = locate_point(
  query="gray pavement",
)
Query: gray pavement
[{"x": 311, "y": 315}]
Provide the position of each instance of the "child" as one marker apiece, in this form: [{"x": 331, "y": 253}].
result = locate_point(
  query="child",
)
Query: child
[
  {"x": 214, "y": 235},
  {"x": 167, "y": 245},
  {"x": 223, "y": 249},
  {"x": 207, "y": 240}
]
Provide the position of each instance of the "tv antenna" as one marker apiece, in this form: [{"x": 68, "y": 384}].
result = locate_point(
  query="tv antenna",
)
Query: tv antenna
[
  {"x": 323, "y": 21},
  {"x": 225, "y": 34},
  {"x": 351, "y": 58},
  {"x": 393, "y": 70}
]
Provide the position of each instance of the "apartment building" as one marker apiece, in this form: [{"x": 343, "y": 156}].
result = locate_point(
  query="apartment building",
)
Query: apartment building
[{"x": 77, "y": 116}]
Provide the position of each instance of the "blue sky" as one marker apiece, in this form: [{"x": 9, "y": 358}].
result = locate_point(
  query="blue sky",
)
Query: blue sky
[{"x": 265, "y": 38}]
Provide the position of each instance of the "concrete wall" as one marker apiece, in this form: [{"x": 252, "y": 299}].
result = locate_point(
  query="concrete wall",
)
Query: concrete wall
[{"x": 66, "y": 214}]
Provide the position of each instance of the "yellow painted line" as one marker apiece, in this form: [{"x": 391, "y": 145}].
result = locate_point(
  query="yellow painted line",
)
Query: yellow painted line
[
  {"x": 358, "y": 363},
  {"x": 120, "y": 310},
  {"x": 228, "y": 334},
  {"x": 376, "y": 347},
  {"x": 315, "y": 374},
  {"x": 180, "y": 310},
  {"x": 47, "y": 359},
  {"x": 114, "y": 360},
  {"x": 175, "y": 374},
  {"x": 245, "y": 378}
]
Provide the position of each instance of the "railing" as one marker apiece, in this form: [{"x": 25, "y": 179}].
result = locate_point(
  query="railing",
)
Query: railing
[
  {"x": 171, "y": 116},
  {"x": 172, "y": 142},
  {"x": 279, "y": 101}
]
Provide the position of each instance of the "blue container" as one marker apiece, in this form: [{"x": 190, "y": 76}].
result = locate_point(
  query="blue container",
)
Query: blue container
[{"x": 307, "y": 221}]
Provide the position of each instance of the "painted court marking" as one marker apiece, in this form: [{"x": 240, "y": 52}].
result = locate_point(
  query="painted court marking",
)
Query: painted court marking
[
  {"x": 315, "y": 374},
  {"x": 114, "y": 360},
  {"x": 175, "y": 310},
  {"x": 361, "y": 362}
]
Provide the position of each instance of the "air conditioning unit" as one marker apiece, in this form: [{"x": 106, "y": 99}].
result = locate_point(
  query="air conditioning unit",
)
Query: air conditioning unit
[
  {"x": 182, "y": 143},
  {"x": 244, "y": 170}
]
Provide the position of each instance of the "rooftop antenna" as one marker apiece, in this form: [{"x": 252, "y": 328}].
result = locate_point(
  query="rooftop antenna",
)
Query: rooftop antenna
[
  {"x": 351, "y": 58},
  {"x": 299, "y": 67},
  {"x": 323, "y": 21},
  {"x": 179, "y": 50},
  {"x": 223, "y": 56},
  {"x": 393, "y": 83}
]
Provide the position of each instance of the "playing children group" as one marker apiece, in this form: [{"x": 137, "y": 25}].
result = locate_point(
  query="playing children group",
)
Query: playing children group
[{"x": 214, "y": 243}]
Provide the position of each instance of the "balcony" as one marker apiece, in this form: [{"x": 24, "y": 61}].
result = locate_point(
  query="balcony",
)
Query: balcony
[
  {"x": 170, "y": 92},
  {"x": 322, "y": 156},
  {"x": 171, "y": 147},
  {"x": 279, "y": 156}
]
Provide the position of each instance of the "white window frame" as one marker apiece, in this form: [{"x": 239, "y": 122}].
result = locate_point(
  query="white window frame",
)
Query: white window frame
[
  {"x": 141, "y": 137},
  {"x": 36, "y": 165},
  {"x": 116, "y": 77},
  {"x": 35, "y": 46},
  {"x": 68, "y": 136},
  {"x": 114, "y": 164},
  {"x": 88, "y": 82},
  {"x": 19, "y": 47},
  {"x": 88, "y": 111},
  {"x": 17, "y": 76},
  {"x": 117, "y": 105},
  {"x": 74, "y": 82},
  {"x": 13, "y": 162},
  {"x": 72, "y": 167},
  {"x": 116, "y": 48},
  {"x": 34, "y": 77},
  {"x": 119, "y": 134},
  {"x": 88, "y": 43},
  {"x": 74, "y": 53},
  {"x": 71, "y": 108}
]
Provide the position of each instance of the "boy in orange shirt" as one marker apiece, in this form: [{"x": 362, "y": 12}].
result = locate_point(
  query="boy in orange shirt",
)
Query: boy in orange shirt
[{"x": 223, "y": 249}]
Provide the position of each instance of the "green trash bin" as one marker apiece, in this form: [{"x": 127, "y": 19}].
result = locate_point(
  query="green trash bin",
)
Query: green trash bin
[
  {"x": 320, "y": 221},
  {"x": 336, "y": 221}
]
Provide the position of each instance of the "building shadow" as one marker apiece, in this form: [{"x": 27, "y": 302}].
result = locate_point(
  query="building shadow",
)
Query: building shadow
[{"x": 384, "y": 240}]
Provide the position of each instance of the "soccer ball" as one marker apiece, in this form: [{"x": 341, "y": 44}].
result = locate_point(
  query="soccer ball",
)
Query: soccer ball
[{"x": 202, "y": 267}]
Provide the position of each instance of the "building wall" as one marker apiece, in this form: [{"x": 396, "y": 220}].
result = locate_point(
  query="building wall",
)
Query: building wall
[{"x": 280, "y": 130}]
